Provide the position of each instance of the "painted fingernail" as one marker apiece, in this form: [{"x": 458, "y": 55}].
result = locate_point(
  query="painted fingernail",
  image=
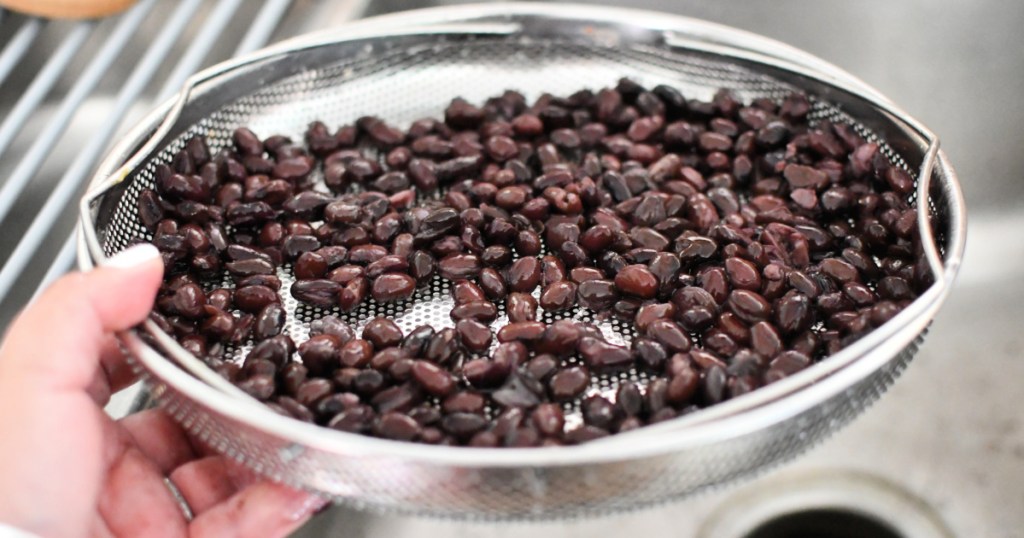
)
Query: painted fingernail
[{"x": 133, "y": 256}]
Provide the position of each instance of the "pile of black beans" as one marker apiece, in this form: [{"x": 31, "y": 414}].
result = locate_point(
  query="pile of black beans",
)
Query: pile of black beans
[{"x": 741, "y": 241}]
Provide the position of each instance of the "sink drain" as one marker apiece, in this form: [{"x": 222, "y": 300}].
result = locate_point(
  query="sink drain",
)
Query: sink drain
[
  {"x": 824, "y": 523},
  {"x": 825, "y": 504}
]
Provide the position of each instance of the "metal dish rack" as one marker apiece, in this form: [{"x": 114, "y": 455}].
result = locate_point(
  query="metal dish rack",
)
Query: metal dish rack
[{"x": 57, "y": 76}]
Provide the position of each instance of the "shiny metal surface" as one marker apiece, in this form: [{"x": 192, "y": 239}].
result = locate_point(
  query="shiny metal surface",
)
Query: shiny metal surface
[{"x": 535, "y": 48}]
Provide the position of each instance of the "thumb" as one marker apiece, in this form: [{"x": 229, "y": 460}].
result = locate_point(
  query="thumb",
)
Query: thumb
[{"x": 57, "y": 340}]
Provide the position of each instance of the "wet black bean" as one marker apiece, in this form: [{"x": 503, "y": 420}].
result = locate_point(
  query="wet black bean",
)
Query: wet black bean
[
  {"x": 724, "y": 221},
  {"x": 189, "y": 300},
  {"x": 523, "y": 331},
  {"x": 465, "y": 291},
  {"x": 558, "y": 296},
  {"x": 670, "y": 335},
  {"x": 352, "y": 294},
  {"x": 894, "y": 288},
  {"x": 443, "y": 346},
  {"x": 464, "y": 402},
  {"x": 599, "y": 412},
  {"x": 269, "y": 322},
  {"x": 479, "y": 310},
  {"x": 260, "y": 387},
  {"x": 400, "y": 398},
  {"x": 519, "y": 390},
  {"x": 353, "y": 420},
  {"x": 382, "y": 333},
  {"x": 433, "y": 379},
  {"x": 459, "y": 266},
  {"x": 749, "y": 306},
  {"x": 793, "y": 313},
  {"x": 396, "y": 426},
  {"x": 521, "y": 307},
  {"x": 560, "y": 338},
  {"x": 743, "y": 274},
  {"x": 321, "y": 354},
  {"x": 602, "y": 356},
  {"x": 840, "y": 270},
  {"x": 475, "y": 336},
  {"x": 649, "y": 313},
  {"x": 320, "y": 292},
  {"x": 549, "y": 419},
  {"x": 277, "y": 350},
  {"x": 356, "y": 353},
  {"x": 682, "y": 387},
  {"x": 637, "y": 280},
  {"x": 543, "y": 366},
  {"x": 524, "y": 275},
  {"x": 485, "y": 373},
  {"x": 569, "y": 383},
  {"x": 393, "y": 287},
  {"x": 649, "y": 354}
]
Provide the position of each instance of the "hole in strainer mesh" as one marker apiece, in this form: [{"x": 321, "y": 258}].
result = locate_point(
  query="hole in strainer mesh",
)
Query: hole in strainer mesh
[{"x": 339, "y": 94}]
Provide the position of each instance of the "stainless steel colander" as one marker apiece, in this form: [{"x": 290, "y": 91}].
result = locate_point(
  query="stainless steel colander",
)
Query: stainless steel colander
[{"x": 407, "y": 66}]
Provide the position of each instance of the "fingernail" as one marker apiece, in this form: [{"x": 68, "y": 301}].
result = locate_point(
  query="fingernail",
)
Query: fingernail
[{"x": 133, "y": 256}]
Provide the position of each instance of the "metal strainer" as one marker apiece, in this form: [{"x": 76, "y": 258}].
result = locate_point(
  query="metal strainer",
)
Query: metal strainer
[{"x": 407, "y": 66}]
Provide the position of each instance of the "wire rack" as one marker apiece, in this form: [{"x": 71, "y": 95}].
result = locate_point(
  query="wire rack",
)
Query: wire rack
[{"x": 98, "y": 75}]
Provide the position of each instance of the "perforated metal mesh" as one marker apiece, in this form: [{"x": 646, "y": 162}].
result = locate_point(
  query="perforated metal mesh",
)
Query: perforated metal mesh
[{"x": 402, "y": 85}]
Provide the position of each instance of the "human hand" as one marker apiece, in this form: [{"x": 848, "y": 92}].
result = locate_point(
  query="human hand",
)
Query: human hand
[{"x": 68, "y": 469}]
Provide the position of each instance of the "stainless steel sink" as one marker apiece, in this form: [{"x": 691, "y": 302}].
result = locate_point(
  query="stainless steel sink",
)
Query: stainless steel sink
[{"x": 947, "y": 441}]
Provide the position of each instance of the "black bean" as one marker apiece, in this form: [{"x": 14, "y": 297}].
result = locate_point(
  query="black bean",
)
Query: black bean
[
  {"x": 738, "y": 225},
  {"x": 443, "y": 346},
  {"x": 382, "y": 333},
  {"x": 322, "y": 293},
  {"x": 524, "y": 275},
  {"x": 459, "y": 266},
  {"x": 433, "y": 379},
  {"x": 353, "y": 420},
  {"x": 393, "y": 287},
  {"x": 189, "y": 300},
  {"x": 260, "y": 387},
  {"x": 749, "y": 306},
  {"x": 522, "y": 331},
  {"x": 478, "y": 310},
  {"x": 485, "y": 373},
  {"x": 601, "y": 356},
  {"x": 356, "y": 353},
  {"x": 558, "y": 296},
  {"x": 637, "y": 280},
  {"x": 464, "y": 402},
  {"x": 519, "y": 390},
  {"x": 321, "y": 354},
  {"x": 397, "y": 426},
  {"x": 269, "y": 322},
  {"x": 597, "y": 295}
]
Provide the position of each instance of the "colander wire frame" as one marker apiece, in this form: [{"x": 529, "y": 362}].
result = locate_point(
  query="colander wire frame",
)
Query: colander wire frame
[{"x": 435, "y": 55}]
